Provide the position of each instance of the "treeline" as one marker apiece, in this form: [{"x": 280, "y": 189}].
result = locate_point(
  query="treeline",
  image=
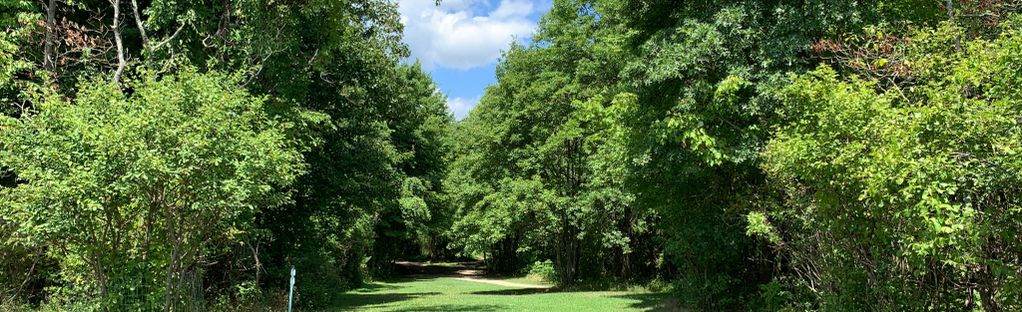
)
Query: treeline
[
  {"x": 756, "y": 155},
  {"x": 183, "y": 156},
  {"x": 761, "y": 155}
]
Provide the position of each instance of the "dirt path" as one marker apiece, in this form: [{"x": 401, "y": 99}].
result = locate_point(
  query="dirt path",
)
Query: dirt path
[
  {"x": 499, "y": 282},
  {"x": 463, "y": 271}
]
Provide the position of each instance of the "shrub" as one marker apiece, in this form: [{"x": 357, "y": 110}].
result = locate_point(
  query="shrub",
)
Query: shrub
[
  {"x": 543, "y": 270},
  {"x": 135, "y": 192}
]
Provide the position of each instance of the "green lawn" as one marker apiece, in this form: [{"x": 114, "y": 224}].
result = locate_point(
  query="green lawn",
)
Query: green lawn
[{"x": 449, "y": 294}]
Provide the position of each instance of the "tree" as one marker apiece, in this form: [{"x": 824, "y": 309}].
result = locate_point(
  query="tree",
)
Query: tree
[
  {"x": 538, "y": 176},
  {"x": 138, "y": 191},
  {"x": 698, "y": 108}
]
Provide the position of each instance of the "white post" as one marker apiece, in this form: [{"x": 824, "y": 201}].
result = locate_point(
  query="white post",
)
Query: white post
[{"x": 291, "y": 291}]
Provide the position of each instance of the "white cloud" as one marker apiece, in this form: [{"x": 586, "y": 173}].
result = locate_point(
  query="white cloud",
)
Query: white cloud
[
  {"x": 461, "y": 106},
  {"x": 452, "y": 36},
  {"x": 511, "y": 8}
]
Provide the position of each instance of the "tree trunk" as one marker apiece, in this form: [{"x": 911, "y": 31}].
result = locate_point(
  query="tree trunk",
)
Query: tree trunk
[
  {"x": 567, "y": 256},
  {"x": 49, "y": 57},
  {"x": 950, "y": 6},
  {"x": 117, "y": 39},
  {"x": 138, "y": 23}
]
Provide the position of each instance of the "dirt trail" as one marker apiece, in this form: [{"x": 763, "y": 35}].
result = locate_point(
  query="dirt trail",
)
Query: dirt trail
[
  {"x": 464, "y": 271},
  {"x": 499, "y": 282}
]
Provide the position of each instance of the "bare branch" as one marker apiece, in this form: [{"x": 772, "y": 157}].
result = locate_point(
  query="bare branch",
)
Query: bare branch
[
  {"x": 165, "y": 41},
  {"x": 138, "y": 22},
  {"x": 117, "y": 38}
]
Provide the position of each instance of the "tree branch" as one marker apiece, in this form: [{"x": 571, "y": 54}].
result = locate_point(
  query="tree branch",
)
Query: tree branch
[
  {"x": 138, "y": 22},
  {"x": 165, "y": 41},
  {"x": 117, "y": 38}
]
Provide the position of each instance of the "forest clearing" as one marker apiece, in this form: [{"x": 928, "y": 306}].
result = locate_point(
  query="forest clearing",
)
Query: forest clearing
[{"x": 453, "y": 291}]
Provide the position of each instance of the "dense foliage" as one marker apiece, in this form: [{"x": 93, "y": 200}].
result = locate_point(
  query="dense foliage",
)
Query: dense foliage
[
  {"x": 137, "y": 191},
  {"x": 185, "y": 155},
  {"x": 702, "y": 142},
  {"x": 912, "y": 185}
]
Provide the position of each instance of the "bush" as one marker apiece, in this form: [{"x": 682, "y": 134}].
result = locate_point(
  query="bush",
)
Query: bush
[
  {"x": 135, "y": 192},
  {"x": 905, "y": 197},
  {"x": 543, "y": 270}
]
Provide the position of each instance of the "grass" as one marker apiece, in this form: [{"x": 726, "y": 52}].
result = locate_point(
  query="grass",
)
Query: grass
[{"x": 449, "y": 294}]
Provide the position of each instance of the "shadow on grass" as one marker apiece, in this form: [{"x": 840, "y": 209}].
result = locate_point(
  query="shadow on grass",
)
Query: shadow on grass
[
  {"x": 455, "y": 308},
  {"x": 373, "y": 287},
  {"x": 412, "y": 278},
  {"x": 407, "y": 268},
  {"x": 555, "y": 289},
  {"x": 355, "y": 301},
  {"x": 660, "y": 302},
  {"x": 516, "y": 291}
]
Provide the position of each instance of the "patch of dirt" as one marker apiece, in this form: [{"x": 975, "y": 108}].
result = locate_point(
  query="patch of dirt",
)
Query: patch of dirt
[
  {"x": 500, "y": 282},
  {"x": 465, "y": 271},
  {"x": 441, "y": 269}
]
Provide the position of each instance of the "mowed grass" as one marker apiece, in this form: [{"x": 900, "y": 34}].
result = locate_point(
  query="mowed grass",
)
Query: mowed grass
[{"x": 450, "y": 294}]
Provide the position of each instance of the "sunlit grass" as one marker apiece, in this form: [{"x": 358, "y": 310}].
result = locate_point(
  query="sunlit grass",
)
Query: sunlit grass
[{"x": 449, "y": 294}]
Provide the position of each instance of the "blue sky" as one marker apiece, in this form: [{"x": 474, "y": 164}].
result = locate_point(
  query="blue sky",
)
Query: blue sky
[{"x": 460, "y": 41}]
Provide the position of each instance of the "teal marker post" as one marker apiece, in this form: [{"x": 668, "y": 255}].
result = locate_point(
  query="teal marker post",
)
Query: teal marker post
[{"x": 291, "y": 291}]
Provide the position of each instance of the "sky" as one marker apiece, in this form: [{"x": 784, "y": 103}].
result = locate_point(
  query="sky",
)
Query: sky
[{"x": 459, "y": 41}]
